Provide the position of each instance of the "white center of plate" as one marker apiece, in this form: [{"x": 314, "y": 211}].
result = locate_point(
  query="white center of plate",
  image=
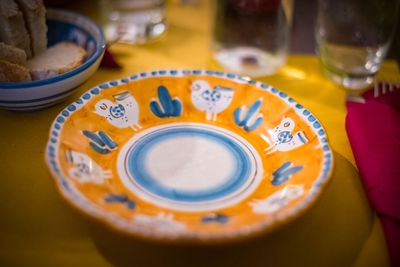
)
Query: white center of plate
[
  {"x": 190, "y": 166},
  {"x": 190, "y": 163}
]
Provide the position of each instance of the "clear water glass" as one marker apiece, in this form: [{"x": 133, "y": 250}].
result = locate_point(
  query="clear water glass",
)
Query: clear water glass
[
  {"x": 353, "y": 38},
  {"x": 251, "y": 37},
  {"x": 134, "y": 21}
]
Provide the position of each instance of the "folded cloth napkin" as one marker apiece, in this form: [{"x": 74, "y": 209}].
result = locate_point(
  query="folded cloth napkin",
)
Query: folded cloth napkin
[
  {"x": 373, "y": 129},
  {"x": 109, "y": 61}
]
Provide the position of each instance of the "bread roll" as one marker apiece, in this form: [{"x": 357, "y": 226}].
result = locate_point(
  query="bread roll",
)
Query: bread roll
[
  {"x": 35, "y": 20},
  {"x": 12, "y": 54},
  {"x": 58, "y": 59},
  {"x": 12, "y": 26},
  {"x": 10, "y": 72}
]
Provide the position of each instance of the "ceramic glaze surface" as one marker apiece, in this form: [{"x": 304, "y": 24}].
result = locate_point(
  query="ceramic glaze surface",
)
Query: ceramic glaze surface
[{"x": 188, "y": 155}]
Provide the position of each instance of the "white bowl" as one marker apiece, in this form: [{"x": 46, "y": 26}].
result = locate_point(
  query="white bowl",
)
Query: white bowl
[{"x": 62, "y": 26}]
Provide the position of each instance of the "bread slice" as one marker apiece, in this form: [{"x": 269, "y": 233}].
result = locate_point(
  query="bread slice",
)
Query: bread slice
[
  {"x": 10, "y": 72},
  {"x": 58, "y": 59},
  {"x": 12, "y": 26},
  {"x": 35, "y": 20},
  {"x": 12, "y": 54}
]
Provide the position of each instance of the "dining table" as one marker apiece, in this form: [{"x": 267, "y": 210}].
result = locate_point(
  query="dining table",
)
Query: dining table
[{"x": 39, "y": 228}]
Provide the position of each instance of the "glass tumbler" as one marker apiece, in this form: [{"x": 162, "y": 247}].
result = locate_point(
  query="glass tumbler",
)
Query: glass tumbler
[
  {"x": 353, "y": 38},
  {"x": 251, "y": 36},
  {"x": 133, "y": 21}
]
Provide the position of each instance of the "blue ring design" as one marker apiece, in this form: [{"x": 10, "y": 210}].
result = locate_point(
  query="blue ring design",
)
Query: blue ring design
[
  {"x": 136, "y": 162},
  {"x": 65, "y": 93}
]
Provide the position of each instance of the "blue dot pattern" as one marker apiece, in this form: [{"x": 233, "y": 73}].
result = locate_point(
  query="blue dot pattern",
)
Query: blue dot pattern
[
  {"x": 285, "y": 137},
  {"x": 211, "y": 96},
  {"x": 117, "y": 111}
]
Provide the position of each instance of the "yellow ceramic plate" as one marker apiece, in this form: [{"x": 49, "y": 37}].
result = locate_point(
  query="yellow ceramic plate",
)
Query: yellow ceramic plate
[{"x": 193, "y": 155}]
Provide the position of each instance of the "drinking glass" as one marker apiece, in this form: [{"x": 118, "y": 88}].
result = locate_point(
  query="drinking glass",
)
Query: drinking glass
[
  {"x": 353, "y": 38},
  {"x": 134, "y": 21},
  {"x": 251, "y": 36}
]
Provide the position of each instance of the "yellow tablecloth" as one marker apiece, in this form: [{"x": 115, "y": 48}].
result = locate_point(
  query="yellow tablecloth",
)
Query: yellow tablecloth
[{"x": 37, "y": 228}]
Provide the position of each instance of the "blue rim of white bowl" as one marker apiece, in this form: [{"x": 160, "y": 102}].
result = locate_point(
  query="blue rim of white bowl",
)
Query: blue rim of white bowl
[{"x": 101, "y": 44}]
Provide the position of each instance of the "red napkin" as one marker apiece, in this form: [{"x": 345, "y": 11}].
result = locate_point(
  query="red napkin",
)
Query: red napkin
[
  {"x": 109, "y": 61},
  {"x": 373, "y": 128}
]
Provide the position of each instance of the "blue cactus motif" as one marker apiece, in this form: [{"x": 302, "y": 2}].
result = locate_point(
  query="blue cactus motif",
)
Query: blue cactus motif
[
  {"x": 169, "y": 107},
  {"x": 244, "y": 120},
  {"x": 215, "y": 218},
  {"x": 283, "y": 173},
  {"x": 120, "y": 198},
  {"x": 100, "y": 141}
]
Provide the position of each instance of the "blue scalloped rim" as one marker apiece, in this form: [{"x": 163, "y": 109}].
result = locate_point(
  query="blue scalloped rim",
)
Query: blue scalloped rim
[{"x": 81, "y": 202}]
